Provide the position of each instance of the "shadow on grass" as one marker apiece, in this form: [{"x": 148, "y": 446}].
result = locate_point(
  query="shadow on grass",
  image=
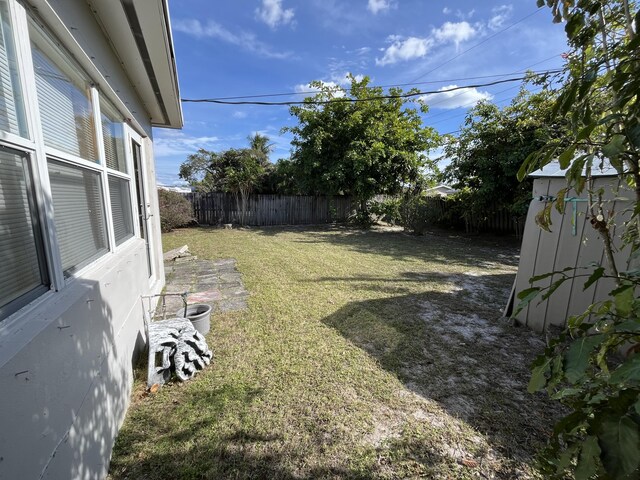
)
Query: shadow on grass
[
  {"x": 190, "y": 446},
  {"x": 401, "y": 246},
  {"x": 452, "y": 348}
]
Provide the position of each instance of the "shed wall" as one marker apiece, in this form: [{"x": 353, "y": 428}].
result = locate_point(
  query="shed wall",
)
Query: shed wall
[{"x": 543, "y": 252}]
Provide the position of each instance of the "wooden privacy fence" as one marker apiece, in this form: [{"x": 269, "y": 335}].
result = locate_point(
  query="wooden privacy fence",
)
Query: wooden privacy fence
[
  {"x": 263, "y": 210},
  {"x": 496, "y": 220}
]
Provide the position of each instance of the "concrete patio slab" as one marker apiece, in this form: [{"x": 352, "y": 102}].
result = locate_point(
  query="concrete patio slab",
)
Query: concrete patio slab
[{"x": 213, "y": 282}]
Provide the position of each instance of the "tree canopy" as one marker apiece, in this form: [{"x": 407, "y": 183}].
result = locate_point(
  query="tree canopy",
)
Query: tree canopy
[
  {"x": 372, "y": 145},
  {"x": 493, "y": 144}
]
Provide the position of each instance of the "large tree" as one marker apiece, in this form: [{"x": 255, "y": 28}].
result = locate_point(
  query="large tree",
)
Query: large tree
[
  {"x": 492, "y": 145},
  {"x": 358, "y": 141},
  {"x": 236, "y": 170},
  {"x": 582, "y": 368}
]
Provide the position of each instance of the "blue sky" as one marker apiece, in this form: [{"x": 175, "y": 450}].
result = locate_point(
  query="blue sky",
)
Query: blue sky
[{"x": 254, "y": 47}]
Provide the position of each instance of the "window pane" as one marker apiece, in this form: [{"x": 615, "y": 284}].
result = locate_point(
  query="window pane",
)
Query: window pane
[
  {"x": 66, "y": 112},
  {"x": 113, "y": 135},
  {"x": 121, "y": 208},
  {"x": 23, "y": 273},
  {"x": 12, "y": 117},
  {"x": 78, "y": 213}
]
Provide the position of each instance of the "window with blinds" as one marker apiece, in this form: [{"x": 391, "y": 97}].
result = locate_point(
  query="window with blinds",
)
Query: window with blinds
[
  {"x": 23, "y": 273},
  {"x": 113, "y": 135},
  {"x": 12, "y": 114},
  {"x": 66, "y": 112},
  {"x": 78, "y": 214},
  {"x": 120, "y": 208}
]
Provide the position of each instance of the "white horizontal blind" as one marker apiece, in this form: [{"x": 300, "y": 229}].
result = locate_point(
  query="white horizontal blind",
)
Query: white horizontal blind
[
  {"x": 22, "y": 267},
  {"x": 113, "y": 134},
  {"x": 120, "y": 208},
  {"x": 12, "y": 116},
  {"x": 78, "y": 214},
  {"x": 65, "y": 108}
]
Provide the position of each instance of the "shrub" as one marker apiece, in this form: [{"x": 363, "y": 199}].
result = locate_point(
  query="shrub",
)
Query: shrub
[
  {"x": 387, "y": 210},
  {"x": 361, "y": 218},
  {"x": 175, "y": 210}
]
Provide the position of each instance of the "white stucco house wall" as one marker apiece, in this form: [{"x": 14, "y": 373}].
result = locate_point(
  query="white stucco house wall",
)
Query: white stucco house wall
[{"x": 82, "y": 82}]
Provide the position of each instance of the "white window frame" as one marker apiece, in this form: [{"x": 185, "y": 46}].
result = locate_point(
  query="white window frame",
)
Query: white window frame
[
  {"x": 132, "y": 136},
  {"x": 39, "y": 155}
]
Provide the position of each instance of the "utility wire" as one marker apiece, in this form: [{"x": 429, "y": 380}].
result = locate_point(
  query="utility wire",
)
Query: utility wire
[
  {"x": 357, "y": 100},
  {"x": 432, "y": 82}
]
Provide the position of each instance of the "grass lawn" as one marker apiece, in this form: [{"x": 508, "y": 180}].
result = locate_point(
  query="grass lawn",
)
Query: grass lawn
[{"x": 362, "y": 355}]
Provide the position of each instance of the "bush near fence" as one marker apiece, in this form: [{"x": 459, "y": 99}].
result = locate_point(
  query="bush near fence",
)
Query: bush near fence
[
  {"x": 263, "y": 210},
  {"x": 418, "y": 213}
]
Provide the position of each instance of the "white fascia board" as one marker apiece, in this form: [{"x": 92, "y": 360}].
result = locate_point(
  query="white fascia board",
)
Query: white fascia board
[{"x": 152, "y": 16}]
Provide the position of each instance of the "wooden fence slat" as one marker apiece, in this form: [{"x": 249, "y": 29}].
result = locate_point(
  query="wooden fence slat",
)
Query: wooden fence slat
[{"x": 264, "y": 210}]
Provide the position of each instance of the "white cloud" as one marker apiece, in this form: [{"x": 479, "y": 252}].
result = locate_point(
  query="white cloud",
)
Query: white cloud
[
  {"x": 454, "y": 32},
  {"x": 343, "y": 79},
  {"x": 500, "y": 15},
  {"x": 403, "y": 50},
  {"x": 239, "y": 114},
  {"x": 308, "y": 90},
  {"x": 336, "y": 82},
  {"x": 273, "y": 14},
  {"x": 463, "y": 98},
  {"x": 375, "y": 6},
  {"x": 171, "y": 143},
  {"x": 211, "y": 29},
  {"x": 446, "y": 10}
]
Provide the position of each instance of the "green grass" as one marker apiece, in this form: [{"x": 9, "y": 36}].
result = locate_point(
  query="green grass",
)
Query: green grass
[{"x": 362, "y": 355}]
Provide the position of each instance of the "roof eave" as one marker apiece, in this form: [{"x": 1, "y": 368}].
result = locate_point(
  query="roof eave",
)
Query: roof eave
[{"x": 139, "y": 32}]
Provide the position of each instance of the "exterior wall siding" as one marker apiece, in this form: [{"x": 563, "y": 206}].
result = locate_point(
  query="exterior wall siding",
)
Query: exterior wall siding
[
  {"x": 65, "y": 394},
  {"x": 66, "y": 363}
]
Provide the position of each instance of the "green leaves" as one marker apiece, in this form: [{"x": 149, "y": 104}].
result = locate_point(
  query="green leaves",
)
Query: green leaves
[
  {"x": 628, "y": 372},
  {"x": 539, "y": 375},
  {"x": 594, "y": 277},
  {"x": 613, "y": 149},
  {"x": 620, "y": 443},
  {"x": 600, "y": 437},
  {"x": 623, "y": 298},
  {"x": 359, "y": 148},
  {"x": 577, "y": 357},
  {"x": 588, "y": 464},
  {"x": 525, "y": 297}
]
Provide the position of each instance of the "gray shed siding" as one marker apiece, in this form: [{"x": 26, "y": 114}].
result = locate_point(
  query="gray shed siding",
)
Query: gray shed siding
[
  {"x": 543, "y": 252},
  {"x": 66, "y": 369}
]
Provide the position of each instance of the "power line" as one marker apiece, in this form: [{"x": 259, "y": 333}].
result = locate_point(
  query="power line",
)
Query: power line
[
  {"x": 432, "y": 82},
  {"x": 357, "y": 100},
  {"x": 478, "y": 44}
]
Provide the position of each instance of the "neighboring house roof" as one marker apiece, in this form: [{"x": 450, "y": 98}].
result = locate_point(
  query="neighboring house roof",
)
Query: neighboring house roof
[
  {"x": 442, "y": 190},
  {"x": 176, "y": 188},
  {"x": 553, "y": 169}
]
